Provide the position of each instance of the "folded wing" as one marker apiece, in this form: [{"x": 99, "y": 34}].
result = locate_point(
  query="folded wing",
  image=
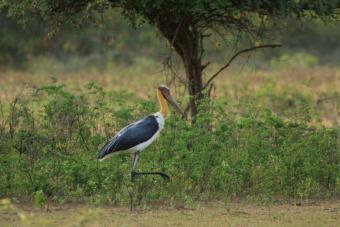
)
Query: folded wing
[{"x": 130, "y": 136}]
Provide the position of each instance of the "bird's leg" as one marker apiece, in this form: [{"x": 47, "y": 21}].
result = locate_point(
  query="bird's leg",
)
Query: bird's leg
[
  {"x": 134, "y": 165},
  {"x": 134, "y": 172}
]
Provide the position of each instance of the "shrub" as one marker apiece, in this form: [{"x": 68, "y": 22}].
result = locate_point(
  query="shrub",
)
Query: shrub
[{"x": 51, "y": 138}]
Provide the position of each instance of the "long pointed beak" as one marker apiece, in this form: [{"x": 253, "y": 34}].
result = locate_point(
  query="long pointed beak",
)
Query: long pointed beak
[{"x": 173, "y": 102}]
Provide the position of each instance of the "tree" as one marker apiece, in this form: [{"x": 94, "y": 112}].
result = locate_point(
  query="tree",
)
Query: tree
[{"x": 184, "y": 23}]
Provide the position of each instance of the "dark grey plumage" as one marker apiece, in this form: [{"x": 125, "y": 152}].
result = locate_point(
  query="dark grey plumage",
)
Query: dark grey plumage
[{"x": 130, "y": 136}]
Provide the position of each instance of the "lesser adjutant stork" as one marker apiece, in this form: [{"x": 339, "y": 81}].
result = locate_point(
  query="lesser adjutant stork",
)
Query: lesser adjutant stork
[{"x": 140, "y": 134}]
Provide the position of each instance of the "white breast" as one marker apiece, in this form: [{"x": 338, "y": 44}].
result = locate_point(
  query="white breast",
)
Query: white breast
[{"x": 160, "y": 121}]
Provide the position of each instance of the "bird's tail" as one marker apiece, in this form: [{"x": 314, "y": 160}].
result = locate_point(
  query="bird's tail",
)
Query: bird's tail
[{"x": 106, "y": 151}]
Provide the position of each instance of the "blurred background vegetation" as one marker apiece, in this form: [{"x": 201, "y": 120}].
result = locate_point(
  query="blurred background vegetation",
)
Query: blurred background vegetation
[
  {"x": 114, "y": 41},
  {"x": 72, "y": 48}
]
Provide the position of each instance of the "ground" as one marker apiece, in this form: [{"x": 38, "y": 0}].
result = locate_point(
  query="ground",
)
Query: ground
[{"x": 321, "y": 213}]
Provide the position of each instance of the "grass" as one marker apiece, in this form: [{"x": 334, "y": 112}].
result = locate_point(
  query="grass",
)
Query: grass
[
  {"x": 317, "y": 213},
  {"x": 278, "y": 90}
]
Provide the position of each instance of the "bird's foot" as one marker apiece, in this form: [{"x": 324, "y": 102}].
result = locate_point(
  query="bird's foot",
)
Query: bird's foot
[{"x": 163, "y": 175}]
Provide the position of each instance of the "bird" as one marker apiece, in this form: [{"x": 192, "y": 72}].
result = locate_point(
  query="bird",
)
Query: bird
[{"x": 139, "y": 135}]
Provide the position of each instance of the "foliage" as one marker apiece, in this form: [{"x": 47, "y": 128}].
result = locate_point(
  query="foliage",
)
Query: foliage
[
  {"x": 50, "y": 140},
  {"x": 40, "y": 199},
  {"x": 208, "y": 12}
]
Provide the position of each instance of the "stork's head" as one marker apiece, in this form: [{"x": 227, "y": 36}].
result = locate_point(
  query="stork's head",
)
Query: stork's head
[{"x": 165, "y": 91}]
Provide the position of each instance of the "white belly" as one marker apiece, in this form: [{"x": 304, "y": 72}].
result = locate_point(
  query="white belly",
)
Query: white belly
[{"x": 147, "y": 143}]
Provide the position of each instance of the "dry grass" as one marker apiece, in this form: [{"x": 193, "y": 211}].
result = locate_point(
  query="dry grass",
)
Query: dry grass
[
  {"x": 321, "y": 85},
  {"x": 326, "y": 213}
]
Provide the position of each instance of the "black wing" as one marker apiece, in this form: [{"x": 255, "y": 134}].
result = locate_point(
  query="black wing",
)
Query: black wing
[{"x": 131, "y": 136}]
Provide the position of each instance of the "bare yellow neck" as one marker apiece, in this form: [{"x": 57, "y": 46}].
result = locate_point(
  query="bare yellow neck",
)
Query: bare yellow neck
[{"x": 163, "y": 103}]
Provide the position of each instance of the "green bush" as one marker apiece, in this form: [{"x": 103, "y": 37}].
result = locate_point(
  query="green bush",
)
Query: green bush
[
  {"x": 49, "y": 142},
  {"x": 40, "y": 199},
  {"x": 294, "y": 59}
]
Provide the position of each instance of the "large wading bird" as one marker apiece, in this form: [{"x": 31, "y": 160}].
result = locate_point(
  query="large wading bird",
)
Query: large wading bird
[{"x": 140, "y": 134}]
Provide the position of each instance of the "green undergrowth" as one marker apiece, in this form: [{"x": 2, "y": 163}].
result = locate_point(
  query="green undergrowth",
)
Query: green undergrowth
[{"x": 50, "y": 138}]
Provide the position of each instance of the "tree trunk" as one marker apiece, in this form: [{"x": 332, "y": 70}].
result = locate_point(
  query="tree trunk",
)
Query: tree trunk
[
  {"x": 185, "y": 39},
  {"x": 193, "y": 73}
]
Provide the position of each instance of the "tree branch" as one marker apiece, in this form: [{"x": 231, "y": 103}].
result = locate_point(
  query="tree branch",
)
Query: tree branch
[
  {"x": 168, "y": 64},
  {"x": 176, "y": 32},
  {"x": 233, "y": 58},
  {"x": 205, "y": 65}
]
